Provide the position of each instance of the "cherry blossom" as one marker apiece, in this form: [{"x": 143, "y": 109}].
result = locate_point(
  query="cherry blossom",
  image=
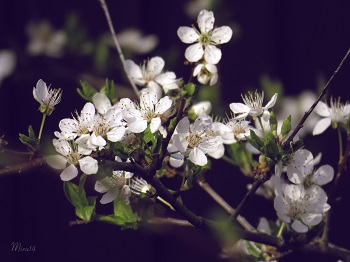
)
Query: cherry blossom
[
  {"x": 206, "y": 73},
  {"x": 46, "y": 96},
  {"x": 204, "y": 41}
]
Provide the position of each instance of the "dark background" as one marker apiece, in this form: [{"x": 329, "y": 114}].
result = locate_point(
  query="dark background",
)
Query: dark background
[{"x": 293, "y": 41}]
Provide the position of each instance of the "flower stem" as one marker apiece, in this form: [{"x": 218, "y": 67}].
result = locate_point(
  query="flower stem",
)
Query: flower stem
[
  {"x": 42, "y": 126},
  {"x": 261, "y": 125},
  {"x": 165, "y": 203},
  {"x": 279, "y": 234},
  {"x": 340, "y": 144}
]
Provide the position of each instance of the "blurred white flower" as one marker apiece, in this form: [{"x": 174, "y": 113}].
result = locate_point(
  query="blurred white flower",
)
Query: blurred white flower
[
  {"x": 44, "y": 40},
  {"x": 204, "y": 41},
  {"x": 7, "y": 63},
  {"x": 133, "y": 40},
  {"x": 337, "y": 113},
  {"x": 193, "y": 7}
]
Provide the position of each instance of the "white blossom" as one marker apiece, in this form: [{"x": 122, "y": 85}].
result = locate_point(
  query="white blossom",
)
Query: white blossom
[
  {"x": 46, "y": 96},
  {"x": 69, "y": 156},
  {"x": 206, "y": 73},
  {"x": 151, "y": 75},
  {"x": 196, "y": 140},
  {"x": 204, "y": 42},
  {"x": 253, "y": 106},
  {"x": 149, "y": 111},
  {"x": 301, "y": 208},
  {"x": 337, "y": 113}
]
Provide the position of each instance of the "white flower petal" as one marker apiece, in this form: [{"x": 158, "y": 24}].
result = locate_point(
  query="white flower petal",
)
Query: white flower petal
[
  {"x": 183, "y": 127},
  {"x": 101, "y": 102},
  {"x": 69, "y": 173},
  {"x": 239, "y": 108},
  {"x": 197, "y": 69},
  {"x": 272, "y": 101},
  {"x": 279, "y": 205},
  {"x": 295, "y": 175},
  {"x": 323, "y": 175},
  {"x": 116, "y": 134},
  {"x": 321, "y": 126},
  {"x": 187, "y": 34},
  {"x": 311, "y": 219},
  {"x": 206, "y": 21},
  {"x": 101, "y": 187},
  {"x": 56, "y": 161},
  {"x": 155, "y": 65},
  {"x": 110, "y": 196},
  {"x": 155, "y": 124},
  {"x": 198, "y": 157},
  {"x": 212, "y": 54},
  {"x": 88, "y": 165},
  {"x": 299, "y": 227},
  {"x": 322, "y": 109},
  {"x": 221, "y": 35},
  {"x": 134, "y": 71},
  {"x": 138, "y": 126},
  {"x": 176, "y": 163},
  {"x": 163, "y": 105},
  {"x": 218, "y": 153},
  {"x": 194, "y": 52},
  {"x": 40, "y": 92}
]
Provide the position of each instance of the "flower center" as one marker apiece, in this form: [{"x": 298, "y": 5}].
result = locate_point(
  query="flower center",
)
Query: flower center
[
  {"x": 73, "y": 158},
  {"x": 193, "y": 140},
  {"x": 254, "y": 100},
  {"x": 205, "y": 39}
]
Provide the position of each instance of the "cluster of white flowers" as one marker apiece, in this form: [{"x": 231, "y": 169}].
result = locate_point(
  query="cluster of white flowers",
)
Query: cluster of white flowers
[{"x": 203, "y": 50}]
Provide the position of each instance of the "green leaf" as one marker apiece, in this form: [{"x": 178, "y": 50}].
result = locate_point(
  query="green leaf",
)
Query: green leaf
[
  {"x": 121, "y": 150},
  {"x": 84, "y": 207},
  {"x": 190, "y": 88},
  {"x": 109, "y": 90},
  {"x": 124, "y": 210},
  {"x": 270, "y": 147},
  {"x": 286, "y": 126},
  {"x": 29, "y": 140},
  {"x": 273, "y": 122},
  {"x": 254, "y": 140},
  {"x": 87, "y": 91},
  {"x": 299, "y": 144},
  {"x": 116, "y": 220}
]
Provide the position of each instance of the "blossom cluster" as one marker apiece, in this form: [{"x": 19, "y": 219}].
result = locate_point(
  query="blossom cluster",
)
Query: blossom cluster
[{"x": 129, "y": 131}]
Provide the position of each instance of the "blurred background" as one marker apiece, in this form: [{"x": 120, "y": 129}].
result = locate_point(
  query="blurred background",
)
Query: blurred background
[{"x": 289, "y": 47}]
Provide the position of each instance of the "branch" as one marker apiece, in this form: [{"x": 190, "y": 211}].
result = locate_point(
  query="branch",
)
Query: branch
[
  {"x": 119, "y": 50},
  {"x": 306, "y": 115},
  {"x": 207, "y": 188},
  {"x": 251, "y": 191},
  {"x": 22, "y": 167}
]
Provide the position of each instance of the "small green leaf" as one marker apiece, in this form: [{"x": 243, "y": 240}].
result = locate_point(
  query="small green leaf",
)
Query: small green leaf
[
  {"x": 29, "y": 140},
  {"x": 85, "y": 212},
  {"x": 190, "y": 88},
  {"x": 123, "y": 210},
  {"x": 87, "y": 91},
  {"x": 254, "y": 140},
  {"x": 121, "y": 150},
  {"x": 270, "y": 147},
  {"x": 273, "y": 122},
  {"x": 286, "y": 126},
  {"x": 109, "y": 90},
  {"x": 71, "y": 191}
]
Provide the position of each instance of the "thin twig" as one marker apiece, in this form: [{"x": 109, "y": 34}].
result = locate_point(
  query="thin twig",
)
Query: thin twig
[
  {"x": 169, "y": 221},
  {"x": 306, "y": 115},
  {"x": 218, "y": 199},
  {"x": 22, "y": 167},
  {"x": 251, "y": 191},
  {"x": 119, "y": 50}
]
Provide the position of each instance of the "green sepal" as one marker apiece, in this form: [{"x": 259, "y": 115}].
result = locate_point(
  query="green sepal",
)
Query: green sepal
[
  {"x": 254, "y": 140},
  {"x": 273, "y": 122},
  {"x": 286, "y": 126},
  {"x": 87, "y": 91},
  {"x": 29, "y": 140}
]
